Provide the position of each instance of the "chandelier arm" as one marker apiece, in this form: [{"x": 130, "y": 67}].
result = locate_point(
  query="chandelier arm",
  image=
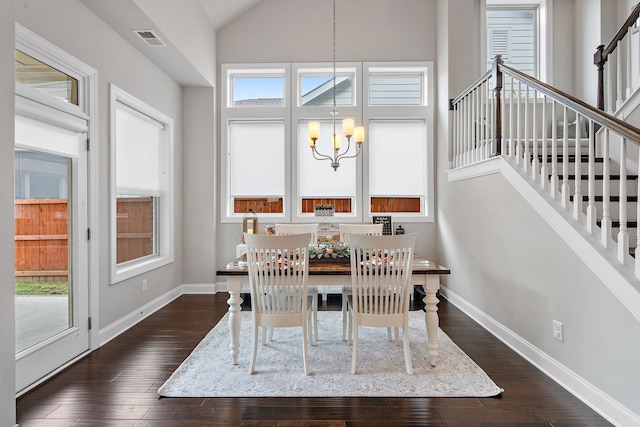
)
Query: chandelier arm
[
  {"x": 319, "y": 156},
  {"x": 344, "y": 156}
]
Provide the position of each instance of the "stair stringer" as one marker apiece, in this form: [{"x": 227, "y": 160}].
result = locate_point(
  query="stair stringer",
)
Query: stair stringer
[{"x": 619, "y": 278}]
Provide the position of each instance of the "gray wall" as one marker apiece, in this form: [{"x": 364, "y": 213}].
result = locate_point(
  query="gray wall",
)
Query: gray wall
[
  {"x": 72, "y": 27},
  {"x": 7, "y": 308}
]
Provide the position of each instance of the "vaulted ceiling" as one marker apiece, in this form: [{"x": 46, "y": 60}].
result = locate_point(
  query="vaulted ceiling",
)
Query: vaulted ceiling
[{"x": 186, "y": 28}]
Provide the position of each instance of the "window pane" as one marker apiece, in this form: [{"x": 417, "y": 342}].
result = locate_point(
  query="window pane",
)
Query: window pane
[
  {"x": 395, "y": 89},
  {"x": 256, "y": 159},
  {"x": 512, "y": 34},
  {"x": 137, "y": 153},
  {"x": 258, "y": 91},
  {"x": 318, "y": 90},
  {"x": 397, "y": 157},
  {"x": 317, "y": 177},
  {"x": 31, "y": 72},
  {"x": 340, "y": 205},
  {"x": 395, "y": 204},
  {"x": 135, "y": 227},
  {"x": 258, "y": 205}
]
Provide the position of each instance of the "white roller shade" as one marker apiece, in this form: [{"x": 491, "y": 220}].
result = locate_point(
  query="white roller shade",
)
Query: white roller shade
[
  {"x": 317, "y": 178},
  {"x": 256, "y": 158},
  {"x": 138, "y": 141},
  {"x": 37, "y": 135},
  {"x": 397, "y": 157}
]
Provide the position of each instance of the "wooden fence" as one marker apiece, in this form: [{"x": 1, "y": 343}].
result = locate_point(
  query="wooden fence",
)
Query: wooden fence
[
  {"x": 41, "y": 240},
  {"x": 42, "y": 235}
]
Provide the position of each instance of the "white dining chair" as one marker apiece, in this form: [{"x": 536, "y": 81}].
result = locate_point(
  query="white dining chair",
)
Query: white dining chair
[
  {"x": 345, "y": 231},
  {"x": 381, "y": 268},
  {"x": 278, "y": 269},
  {"x": 288, "y": 229}
]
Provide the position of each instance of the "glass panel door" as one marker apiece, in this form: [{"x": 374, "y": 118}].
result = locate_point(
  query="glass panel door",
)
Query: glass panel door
[
  {"x": 51, "y": 245},
  {"x": 42, "y": 244}
]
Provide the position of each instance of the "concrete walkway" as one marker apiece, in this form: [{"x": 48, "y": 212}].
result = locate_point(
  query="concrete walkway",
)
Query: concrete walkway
[{"x": 40, "y": 317}]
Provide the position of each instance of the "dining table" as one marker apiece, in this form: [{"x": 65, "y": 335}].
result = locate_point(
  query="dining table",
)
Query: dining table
[{"x": 333, "y": 274}]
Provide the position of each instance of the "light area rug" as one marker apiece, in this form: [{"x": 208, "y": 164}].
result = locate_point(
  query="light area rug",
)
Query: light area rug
[{"x": 209, "y": 372}]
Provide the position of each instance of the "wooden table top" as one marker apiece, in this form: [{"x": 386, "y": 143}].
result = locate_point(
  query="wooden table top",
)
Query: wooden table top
[{"x": 238, "y": 267}]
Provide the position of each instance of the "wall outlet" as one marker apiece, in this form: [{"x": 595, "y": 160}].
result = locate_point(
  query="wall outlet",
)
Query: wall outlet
[
  {"x": 557, "y": 331},
  {"x": 144, "y": 285}
]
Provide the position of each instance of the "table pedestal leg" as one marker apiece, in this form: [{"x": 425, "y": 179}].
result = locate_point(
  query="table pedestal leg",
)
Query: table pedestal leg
[
  {"x": 431, "y": 317},
  {"x": 234, "y": 301}
]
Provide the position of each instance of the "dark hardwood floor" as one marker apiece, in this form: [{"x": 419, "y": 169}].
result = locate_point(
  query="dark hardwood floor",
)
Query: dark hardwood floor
[{"x": 116, "y": 385}]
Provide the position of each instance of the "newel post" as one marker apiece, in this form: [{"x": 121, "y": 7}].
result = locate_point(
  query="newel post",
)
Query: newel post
[
  {"x": 496, "y": 143},
  {"x": 599, "y": 60}
]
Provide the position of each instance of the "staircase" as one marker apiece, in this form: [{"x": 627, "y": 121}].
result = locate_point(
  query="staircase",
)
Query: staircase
[{"x": 585, "y": 161}]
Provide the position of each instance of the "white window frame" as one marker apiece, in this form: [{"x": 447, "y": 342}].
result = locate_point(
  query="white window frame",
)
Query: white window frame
[
  {"x": 304, "y": 114},
  {"x": 395, "y": 112},
  {"x": 293, "y": 114},
  {"x": 544, "y": 54},
  {"x": 164, "y": 234},
  {"x": 229, "y": 114}
]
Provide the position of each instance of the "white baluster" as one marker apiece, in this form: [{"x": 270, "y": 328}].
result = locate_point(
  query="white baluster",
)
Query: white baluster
[
  {"x": 553, "y": 188},
  {"x": 474, "y": 126},
  {"x": 619, "y": 79},
  {"x": 534, "y": 128},
  {"x": 591, "y": 183},
  {"x": 518, "y": 133},
  {"x": 608, "y": 89},
  {"x": 606, "y": 190},
  {"x": 527, "y": 153},
  {"x": 577, "y": 196},
  {"x": 623, "y": 235},
  {"x": 565, "y": 188},
  {"x": 628, "y": 63},
  {"x": 512, "y": 132},
  {"x": 544, "y": 172},
  {"x": 467, "y": 134}
]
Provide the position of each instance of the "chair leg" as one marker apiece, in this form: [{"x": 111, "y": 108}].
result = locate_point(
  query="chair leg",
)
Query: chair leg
[
  {"x": 305, "y": 332},
  {"x": 252, "y": 362},
  {"x": 315, "y": 316},
  {"x": 407, "y": 350},
  {"x": 345, "y": 317},
  {"x": 354, "y": 354}
]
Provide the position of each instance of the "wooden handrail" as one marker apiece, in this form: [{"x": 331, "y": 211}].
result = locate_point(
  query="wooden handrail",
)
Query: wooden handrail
[
  {"x": 631, "y": 19},
  {"x": 472, "y": 87},
  {"x": 601, "y": 56},
  {"x": 600, "y": 117}
]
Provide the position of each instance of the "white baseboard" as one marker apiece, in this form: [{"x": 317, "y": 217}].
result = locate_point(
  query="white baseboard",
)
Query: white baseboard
[
  {"x": 595, "y": 398},
  {"x": 108, "y": 333}
]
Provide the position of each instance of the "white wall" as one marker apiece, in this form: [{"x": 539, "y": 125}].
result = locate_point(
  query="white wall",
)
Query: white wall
[
  {"x": 75, "y": 29},
  {"x": 7, "y": 306},
  {"x": 301, "y": 30}
]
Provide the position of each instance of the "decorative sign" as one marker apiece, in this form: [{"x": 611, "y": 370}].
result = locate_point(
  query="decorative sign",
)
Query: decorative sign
[
  {"x": 386, "y": 224},
  {"x": 328, "y": 232}
]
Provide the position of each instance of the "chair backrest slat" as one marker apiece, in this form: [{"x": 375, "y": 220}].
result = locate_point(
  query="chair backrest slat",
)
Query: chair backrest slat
[
  {"x": 278, "y": 272},
  {"x": 381, "y": 268}
]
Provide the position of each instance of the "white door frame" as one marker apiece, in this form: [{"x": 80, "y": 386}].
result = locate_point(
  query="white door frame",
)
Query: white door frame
[{"x": 41, "y": 49}]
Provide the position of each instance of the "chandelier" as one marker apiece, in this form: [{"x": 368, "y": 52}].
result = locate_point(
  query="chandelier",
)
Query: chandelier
[{"x": 348, "y": 129}]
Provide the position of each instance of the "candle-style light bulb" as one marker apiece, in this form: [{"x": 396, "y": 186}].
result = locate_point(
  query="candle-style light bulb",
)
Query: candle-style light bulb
[
  {"x": 359, "y": 134},
  {"x": 347, "y": 127}
]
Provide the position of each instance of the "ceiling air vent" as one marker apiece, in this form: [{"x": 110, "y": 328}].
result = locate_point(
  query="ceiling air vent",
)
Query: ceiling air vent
[{"x": 150, "y": 38}]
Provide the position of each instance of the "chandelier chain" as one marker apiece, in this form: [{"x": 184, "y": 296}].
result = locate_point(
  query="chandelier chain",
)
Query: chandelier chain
[{"x": 334, "y": 112}]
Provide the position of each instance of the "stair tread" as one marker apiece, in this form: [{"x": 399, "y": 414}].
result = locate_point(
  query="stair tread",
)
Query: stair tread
[{"x": 615, "y": 199}]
